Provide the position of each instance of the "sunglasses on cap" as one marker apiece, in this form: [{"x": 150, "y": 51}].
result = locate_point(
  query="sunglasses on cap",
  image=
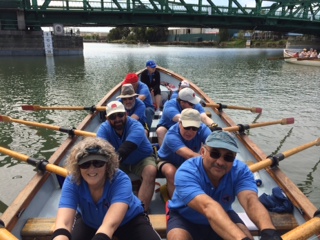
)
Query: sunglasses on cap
[
  {"x": 217, "y": 155},
  {"x": 115, "y": 115},
  {"x": 195, "y": 129},
  {"x": 95, "y": 163}
]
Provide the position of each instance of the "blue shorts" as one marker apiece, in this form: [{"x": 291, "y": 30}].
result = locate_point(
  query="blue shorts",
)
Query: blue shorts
[{"x": 197, "y": 231}]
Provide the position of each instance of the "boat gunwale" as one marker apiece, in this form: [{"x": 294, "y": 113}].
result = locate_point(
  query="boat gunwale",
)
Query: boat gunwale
[{"x": 11, "y": 215}]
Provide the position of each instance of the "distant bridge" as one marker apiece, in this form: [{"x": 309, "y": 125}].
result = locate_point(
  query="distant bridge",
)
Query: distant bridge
[{"x": 299, "y": 16}]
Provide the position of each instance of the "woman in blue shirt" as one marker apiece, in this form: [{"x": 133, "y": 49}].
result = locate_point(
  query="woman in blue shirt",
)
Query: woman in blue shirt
[{"x": 97, "y": 201}]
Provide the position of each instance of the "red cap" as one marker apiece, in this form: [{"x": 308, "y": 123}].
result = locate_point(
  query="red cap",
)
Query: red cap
[{"x": 131, "y": 78}]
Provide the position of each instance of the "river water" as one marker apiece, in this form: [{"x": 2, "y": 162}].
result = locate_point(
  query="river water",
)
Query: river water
[{"x": 242, "y": 77}]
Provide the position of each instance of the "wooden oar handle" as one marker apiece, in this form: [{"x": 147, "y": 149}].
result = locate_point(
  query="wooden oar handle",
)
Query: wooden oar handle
[
  {"x": 35, "y": 162},
  {"x": 221, "y": 106},
  {"x": 304, "y": 231},
  {"x": 261, "y": 165},
  {"x": 240, "y": 127},
  {"x": 6, "y": 235},
  {"x": 14, "y": 154},
  {"x": 36, "y": 124},
  {"x": 270, "y": 161},
  {"x": 84, "y": 133},
  {"x": 57, "y": 170},
  {"x": 72, "y": 108},
  {"x": 70, "y": 131}
]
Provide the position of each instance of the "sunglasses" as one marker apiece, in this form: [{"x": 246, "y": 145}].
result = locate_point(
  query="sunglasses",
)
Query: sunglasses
[
  {"x": 189, "y": 103},
  {"x": 217, "y": 155},
  {"x": 95, "y": 163},
  {"x": 127, "y": 99},
  {"x": 195, "y": 129},
  {"x": 115, "y": 115}
]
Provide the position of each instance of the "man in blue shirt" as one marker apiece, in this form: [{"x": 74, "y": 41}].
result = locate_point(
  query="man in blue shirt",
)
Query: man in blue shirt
[
  {"x": 144, "y": 95},
  {"x": 135, "y": 108},
  {"x": 206, "y": 187},
  {"x": 172, "y": 112},
  {"x": 128, "y": 138},
  {"x": 183, "y": 84},
  {"x": 151, "y": 77},
  {"x": 182, "y": 141}
]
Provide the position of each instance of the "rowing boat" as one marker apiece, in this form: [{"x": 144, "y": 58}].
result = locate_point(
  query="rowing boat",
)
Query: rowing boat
[
  {"x": 289, "y": 58},
  {"x": 32, "y": 214}
]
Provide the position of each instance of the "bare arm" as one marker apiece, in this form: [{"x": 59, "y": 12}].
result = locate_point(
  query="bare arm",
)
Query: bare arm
[
  {"x": 142, "y": 97},
  {"x": 255, "y": 210},
  {"x": 176, "y": 118},
  {"x": 187, "y": 153},
  {"x": 113, "y": 219},
  {"x": 135, "y": 116},
  {"x": 217, "y": 217},
  {"x": 206, "y": 120},
  {"x": 65, "y": 218}
]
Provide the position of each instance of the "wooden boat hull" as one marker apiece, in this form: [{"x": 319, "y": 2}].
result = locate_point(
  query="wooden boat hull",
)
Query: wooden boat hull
[
  {"x": 288, "y": 57},
  {"x": 40, "y": 197}
]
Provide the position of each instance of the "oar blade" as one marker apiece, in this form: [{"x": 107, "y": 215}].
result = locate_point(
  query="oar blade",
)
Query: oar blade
[
  {"x": 286, "y": 121},
  {"x": 256, "y": 110},
  {"x": 5, "y": 118},
  {"x": 31, "y": 107}
]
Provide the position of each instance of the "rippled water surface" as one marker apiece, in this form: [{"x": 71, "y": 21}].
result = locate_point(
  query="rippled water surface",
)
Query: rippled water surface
[{"x": 241, "y": 77}]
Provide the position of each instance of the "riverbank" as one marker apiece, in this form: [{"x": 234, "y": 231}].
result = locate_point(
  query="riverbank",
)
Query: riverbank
[{"x": 227, "y": 44}]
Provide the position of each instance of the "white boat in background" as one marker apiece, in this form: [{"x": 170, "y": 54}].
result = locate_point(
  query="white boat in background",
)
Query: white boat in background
[
  {"x": 32, "y": 214},
  {"x": 289, "y": 57}
]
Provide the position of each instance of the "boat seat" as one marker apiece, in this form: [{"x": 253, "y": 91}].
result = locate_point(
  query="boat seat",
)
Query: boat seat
[{"x": 42, "y": 228}]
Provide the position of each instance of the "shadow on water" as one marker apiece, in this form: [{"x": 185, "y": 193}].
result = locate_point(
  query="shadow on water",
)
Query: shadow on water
[
  {"x": 307, "y": 186},
  {"x": 282, "y": 142}
]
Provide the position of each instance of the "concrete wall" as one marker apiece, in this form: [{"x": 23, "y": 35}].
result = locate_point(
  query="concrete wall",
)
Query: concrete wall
[{"x": 23, "y": 43}]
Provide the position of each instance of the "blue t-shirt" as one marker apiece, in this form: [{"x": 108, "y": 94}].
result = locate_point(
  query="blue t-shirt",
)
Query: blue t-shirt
[
  {"x": 138, "y": 109},
  {"x": 133, "y": 132},
  {"x": 143, "y": 89},
  {"x": 175, "y": 94},
  {"x": 192, "y": 180},
  {"x": 171, "y": 109},
  {"x": 119, "y": 190},
  {"x": 173, "y": 141}
]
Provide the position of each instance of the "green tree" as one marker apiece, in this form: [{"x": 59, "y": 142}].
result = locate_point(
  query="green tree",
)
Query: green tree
[
  {"x": 118, "y": 33},
  {"x": 157, "y": 34}
]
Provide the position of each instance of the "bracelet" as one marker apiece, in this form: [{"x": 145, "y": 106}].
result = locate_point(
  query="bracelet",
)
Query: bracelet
[{"x": 61, "y": 231}]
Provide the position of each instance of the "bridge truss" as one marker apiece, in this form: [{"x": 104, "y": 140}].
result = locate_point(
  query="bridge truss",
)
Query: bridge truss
[{"x": 300, "y": 16}]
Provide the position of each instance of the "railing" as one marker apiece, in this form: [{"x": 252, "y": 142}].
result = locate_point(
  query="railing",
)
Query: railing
[{"x": 162, "y": 6}]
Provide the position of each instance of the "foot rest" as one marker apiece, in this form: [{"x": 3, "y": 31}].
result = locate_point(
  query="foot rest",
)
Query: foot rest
[{"x": 42, "y": 228}]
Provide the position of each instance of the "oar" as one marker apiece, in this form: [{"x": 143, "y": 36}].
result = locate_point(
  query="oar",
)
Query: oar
[
  {"x": 5, "y": 234},
  {"x": 70, "y": 131},
  {"x": 41, "y": 165},
  {"x": 221, "y": 106},
  {"x": 278, "y": 58},
  {"x": 280, "y": 156},
  {"x": 304, "y": 231},
  {"x": 241, "y": 127},
  {"x": 309, "y": 58},
  {"x": 38, "y": 108}
]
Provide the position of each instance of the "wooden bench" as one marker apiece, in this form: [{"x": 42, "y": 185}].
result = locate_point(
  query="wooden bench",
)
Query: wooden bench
[{"x": 42, "y": 228}]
